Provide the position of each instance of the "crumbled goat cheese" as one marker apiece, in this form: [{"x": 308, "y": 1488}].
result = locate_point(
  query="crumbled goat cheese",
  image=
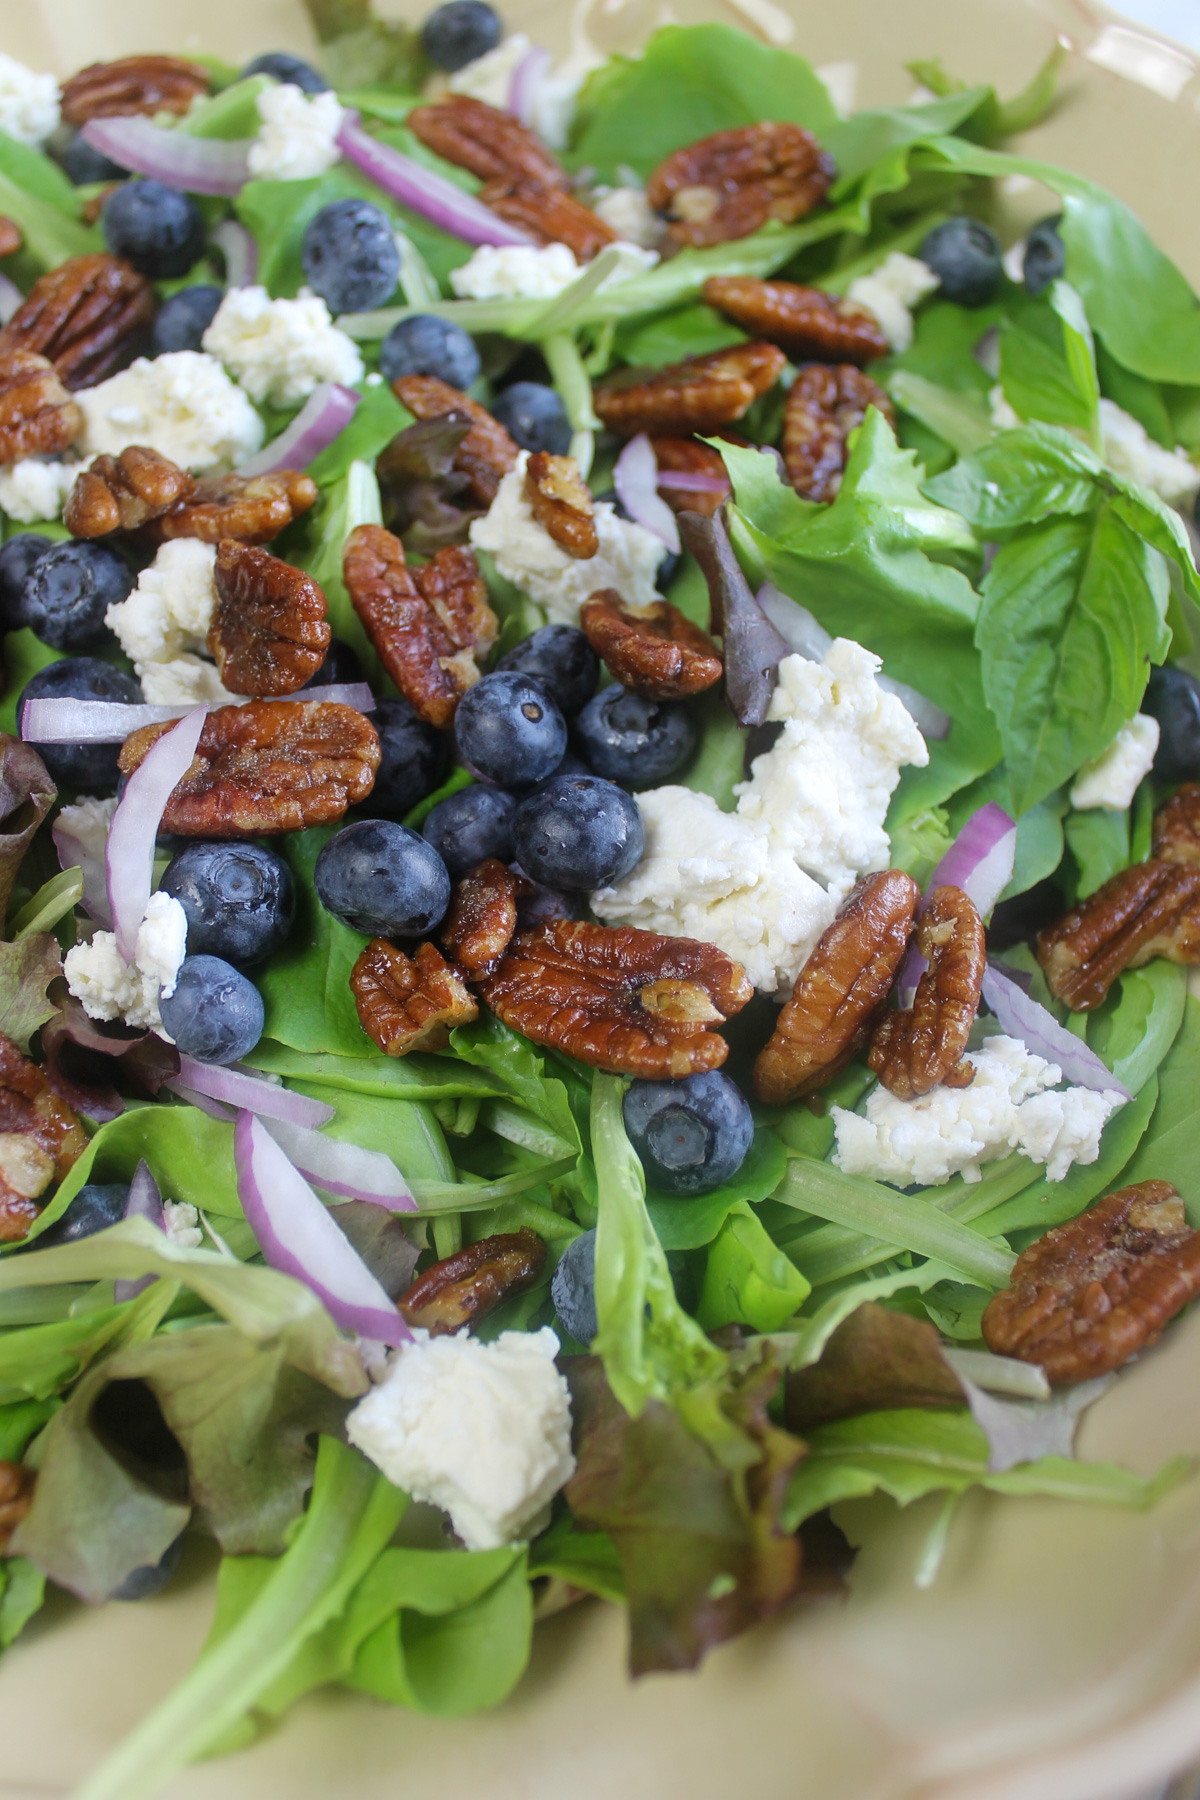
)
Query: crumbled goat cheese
[
  {"x": 185, "y": 681},
  {"x": 110, "y": 988},
  {"x": 489, "y": 78},
  {"x": 1010, "y": 1105},
  {"x": 87, "y": 821},
  {"x": 182, "y": 404},
  {"x": 33, "y": 489},
  {"x": 631, "y": 216},
  {"x": 29, "y": 108},
  {"x": 533, "y": 272},
  {"x": 298, "y": 136},
  {"x": 182, "y": 1224},
  {"x": 280, "y": 349},
  {"x": 891, "y": 292},
  {"x": 170, "y": 610},
  {"x": 1113, "y": 779},
  {"x": 483, "y": 1430},
  {"x": 1127, "y": 449},
  {"x": 525, "y": 554}
]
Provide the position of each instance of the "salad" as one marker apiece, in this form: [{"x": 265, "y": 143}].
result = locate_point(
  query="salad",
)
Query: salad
[{"x": 600, "y": 844}]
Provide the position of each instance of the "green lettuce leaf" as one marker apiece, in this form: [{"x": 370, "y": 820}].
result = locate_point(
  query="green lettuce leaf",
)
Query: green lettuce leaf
[
  {"x": 27, "y": 968},
  {"x": 688, "y": 1224},
  {"x": 37, "y": 196},
  {"x": 22, "y": 1591},
  {"x": 345, "y": 503},
  {"x": 1099, "y": 842},
  {"x": 874, "y": 1359},
  {"x": 1048, "y": 362},
  {"x": 24, "y": 655},
  {"x": 747, "y": 1280},
  {"x": 1169, "y": 1151},
  {"x": 306, "y": 985}
]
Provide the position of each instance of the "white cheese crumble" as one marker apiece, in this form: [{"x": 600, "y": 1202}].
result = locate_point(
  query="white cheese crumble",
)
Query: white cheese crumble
[
  {"x": 186, "y": 681},
  {"x": 1010, "y": 1105},
  {"x": 483, "y": 1430},
  {"x": 489, "y": 78},
  {"x": 891, "y": 292},
  {"x": 525, "y": 554},
  {"x": 182, "y": 404},
  {"x": 182, "y": 1224},
  {"x": 1113, "y": 779},
  {"x": 1127, "y": 449},
  {"x": 35, "y": 489},
  {"x": 29, "y": 109},
  {"x": 536, "y": 272},
  {"x": 628, "y": 212},
  {"x": 170, "y": 610},
  {"x": 87, "y": 821},
  {"x": 110, "y": 988},
  {"x": 280, "y": 349},
  {"x": 298, "y": 135}
]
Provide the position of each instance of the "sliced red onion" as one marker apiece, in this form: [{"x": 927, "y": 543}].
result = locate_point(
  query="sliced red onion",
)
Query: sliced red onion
[
  {"x": 11, "y": 298},
  {"x": 980, "y": 861},
  {"x": 526, "y": 83},
  {"x": 691, "y": 481},
  {"x": 252, "y": 1094},
  {"x": 297, "y": 1235},
  {"x": 194, "y": 164},
  {"x": 341, "y": 1168},
  {"x": 202, "y": 1102},
  {"x": 1019, "y": 1015},
  {"x": 326, "y": 412},
  {"x": 238, "y": 247},
  {"x": 426, "y": 192},
  {"x": 753, "y": 647},
  {"x": 635, "y": 478},
  {"x": 129, "y": 851},
  {"x": 73, "y": 853},
  {"x": 108, "y": 722},
  {"x": 144, "y": 1202}
]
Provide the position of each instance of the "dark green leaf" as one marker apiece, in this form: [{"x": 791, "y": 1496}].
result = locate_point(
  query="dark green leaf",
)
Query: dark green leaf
[
  {"x": 688, "y": 1224},
  {"x": 306, "y": 985},
  {"x": 1170, "y": 1149},
  {"x": 747, "y": 1279}
]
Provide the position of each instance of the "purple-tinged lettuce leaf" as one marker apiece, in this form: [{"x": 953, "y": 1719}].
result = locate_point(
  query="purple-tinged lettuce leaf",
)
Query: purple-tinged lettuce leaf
[
  {"x": 876, "y": 1358},
  {"x": 26, "y": 970},
  {"x": 26, "y": 796}
]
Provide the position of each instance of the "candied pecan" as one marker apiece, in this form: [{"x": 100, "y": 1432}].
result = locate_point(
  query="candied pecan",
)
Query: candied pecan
[
  {"x": 483, "y": 916},
  {"x": 728, "y": 185},
  {"x": 1086, "y": 1297},
  {"x": 1152, "y": 909},
  {"x": 267, "y": 766},
  {"x": 132, "y": 84},
  {"x": 801, "y": 320},
  {"x": 429, "y": 626},
  {"x": 487, "y": 452},
  {"x": 16, "y": 1497},
  {"x": 654, "y": 650},
  {"x": 119, "y": 493},
  {"x": 697, "y": 395},
  {"x": 472, "y": 1283},
  {"x": 551, "y": 215},
  {"x": 841, "y": 989},
  {"x": 1177, "y": 827},
  {"x": 10, "y": 236},
  {"x": 562, "y": 502},
  {"x": 37, "y": 415},
  {"x": 824, "y": 406},
  {"x": 491, "y": 143},
  {"x": 627, "y": 1001},
  {"x": 251, "y": 508},
  {"x": 89, "y": 316},
  {"x": 688, "y": 456},
  {"x": 269, "y": 630},
  {"x": 913, "y": 1050},
  {"x": 40, "y": 1139},
  {"x": 408, "y": 1002}
]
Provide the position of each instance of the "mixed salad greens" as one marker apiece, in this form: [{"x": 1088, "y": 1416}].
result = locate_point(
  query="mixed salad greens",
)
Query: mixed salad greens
[{"x": 1002, "y": 550}]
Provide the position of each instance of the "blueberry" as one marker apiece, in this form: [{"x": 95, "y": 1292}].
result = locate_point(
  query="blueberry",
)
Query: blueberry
[
  {"x": 967, "y": 259},
  {"x": 1173, "y": 698},
  {"x": 455, "y": 34},
  {"x": 578, "y": 832},
  {"x": 382, "y": 879},
  {"x": 573, "y": 1289},
  {"x": 470, "y": 825},
  {"x": 181, "y": 322},
  {"x": 534, "y": 416},
  {"x": 509, "y": 730},
  {"x": 561, "y": 658},
  {"x": 544, "y": 904},
  {"x": 341, "y": 665},
  {"x": 215, "y": 1013},
  {"x": 69, "y": 590},
  {"x": 424, "y": 345},
  {"x": 293, "y": 70},
  {"x": 155, "y": 227},
  {"x": 17, "y": 557},
  {"x": 85, "y": 164},
  {"x": 414, "y": 758},
  {"x": 1045, "y": 255},
  {"x": 640, "y": 743},
  {"x": 144, "y": 1583},
  {"x": 239, "y": 899},
  {"x": 692, "y": 1134},
  {"x": 96, "y": 1206},
  {"x": 350, "y": 256},
  {"x": 88, "y": 768}
]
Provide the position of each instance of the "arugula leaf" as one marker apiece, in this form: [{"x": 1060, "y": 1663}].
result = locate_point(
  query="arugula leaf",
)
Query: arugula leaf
[
  {"x": 26, "y": 970},
  {"x": 1136, "y": 1027},
  {"x": 747, "y": 1280},
  {"x": 306, "y": 985},
  {"x": 26, "y": 796}
]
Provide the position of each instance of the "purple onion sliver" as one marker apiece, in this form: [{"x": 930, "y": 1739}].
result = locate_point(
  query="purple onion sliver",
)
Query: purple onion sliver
[
  {"x": 635, "y": 477},
  {"x": 253, "y": 1094},
  {"x": 11, "y": 298},
  {"x": 326, "y": 413},
  {"x": 527, "y": 79},
  {"x": 202, "y": 1102},
  {"x": 980, "y": 861},
  {"x": 1019, "y": 1015},
  {"x": 74, "y": 854},
  {"x": 338, "y": 693},
  {"x": 240, "y": 251},
  {"x": 343, "y": 1168},
  {"x": 431, "y": 195},
  {"x": 129, "y": 852},
  {"x": 691, "y": 481},
  {"x": 193, "y": 164},
  {"x": 144, "y": 1202}
]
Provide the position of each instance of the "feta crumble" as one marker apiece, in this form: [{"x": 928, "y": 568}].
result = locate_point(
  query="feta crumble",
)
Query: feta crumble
[
  {"x": 170, "y": 610},
  {"x": 1113, "y": 779},
  {"x": 29, "y": 108},
  {"x": 298, "y": 135},
  {"x": 186, "y": 681},
  {"x": 891, "y": 292},
  {"x": 1127, "y": 449},
  {"x": 182, "y": 1224},
  {"x": 110, "y": 988},
  {"x": 628, "y": 212},
  {"x": 35, "y": 488},
  {"x": 536, "y": 272},
  {"x": 483, "y": 1430},
  {"x": 87, "y": 822},
  {"x": 182, "y": 404},
  {"x": 280, "y": 349}
]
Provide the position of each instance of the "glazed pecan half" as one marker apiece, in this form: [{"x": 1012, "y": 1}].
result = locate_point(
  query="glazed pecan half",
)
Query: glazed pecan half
[
  {"x": 562, "y": 502},
  {"x": 801, "y": 320},
  {"x": 10, "y": 236},
  {"x": 408, "y": 1002},
  {"x": 473, "y": 1282},
  {"x": 251, "y": 508},
  {"x": 429, "y": 626},
  {"x": 16, "y": 1498},
  {"x": 1177, "y": 827},
  {"x": 483, "y": 916},
  {"x": 627, "y": 1001},
  {"x": 269, "y": 630},
  {"x": 653, "y": 650},
  {"x": 551, "y": 215},
  {"x": 1086, "y": 1297},
  {"x": 40, "y": 1139},
  {"x": 90, "y": 315},
  {"x": 693, "y": 396},
  {"x": 267, "y": 766},
  {"x": 121, "y": 493},
  {"x": 132, "y": 84},
  {"x": 492, "y": 144},
  {"x": 841, "y": 990},
  {"x": 1152, "y": 909},
  {"x": 728, "y": 185},
  {"x": 486, "y": 453},
  {"x": 918, "y": 1048},
  {"x": 824, "y": 406},
  {"x": 686, "y": 457},
  {"x": 37, "y": 415}
]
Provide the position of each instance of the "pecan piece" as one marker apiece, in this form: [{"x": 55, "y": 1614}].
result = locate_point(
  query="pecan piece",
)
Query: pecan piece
[
  {"x": 824, "y": 406},
  {"x": 37, "y": 415},
  {"x": 698, "y": 395},
  {"x": 408, "y": 1002},
  {"x": 728, "y": 185},
  {"x": 801, "y": 320},
  {"x": 1152, "y": 909},
  {"x": 551, "y": 215},
  {"x": 562, "y": 502},
  {"x": 1086, "y": 1297},
  {"x": 120, "y": 493},
  {"x": 627, "y": 1001},
  {"x": 267, "y": 766},
  {"x": 251, "y": 508},
  {"x": 40, "y": 1139},
  {"x": 429, "y": 626},
  {"x": 1177, "y": 827},
  {"x": 132, "y": 84},
  {"x": 269, "y": 630},
  {"x": 688, "y": 456},
  {"x": 89, "y": 316},
  {"x": 841, "y": 990},
  {"x": 653, "y": 650},
  {"x": 490, "y": 143},
  {"x": 483, "y": 916},
  {"x": 10, "y": 236},
  {"x": 486, "y": 453},
  {"x": 16, "y": 1498},
  {"x": 916, "y": 1049},
  {"x": 474, "y": 1281}
]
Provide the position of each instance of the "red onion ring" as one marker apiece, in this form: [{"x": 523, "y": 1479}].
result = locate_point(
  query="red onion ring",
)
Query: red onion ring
[
  {"x": 326, "y": 412},
  {"x": 202, "y": 1102},
  {"x": 110, "y": 722},
  {"x": 251, "y": 1093},
  {"x": 240, "y": 251},
  {"x": 635, "y": 478},
  {"x": 193, "y": 164},
  {"x": 1019, "y": 1015},
  {"x": 693, "y": 482},
  {"x": 341, "y": 1168},
  {"x": 425, "y": 192},
  {"x": 527, "y": 79},
  {"x": 129, "y": 852},
  {"x": 980, "y": 861}
]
